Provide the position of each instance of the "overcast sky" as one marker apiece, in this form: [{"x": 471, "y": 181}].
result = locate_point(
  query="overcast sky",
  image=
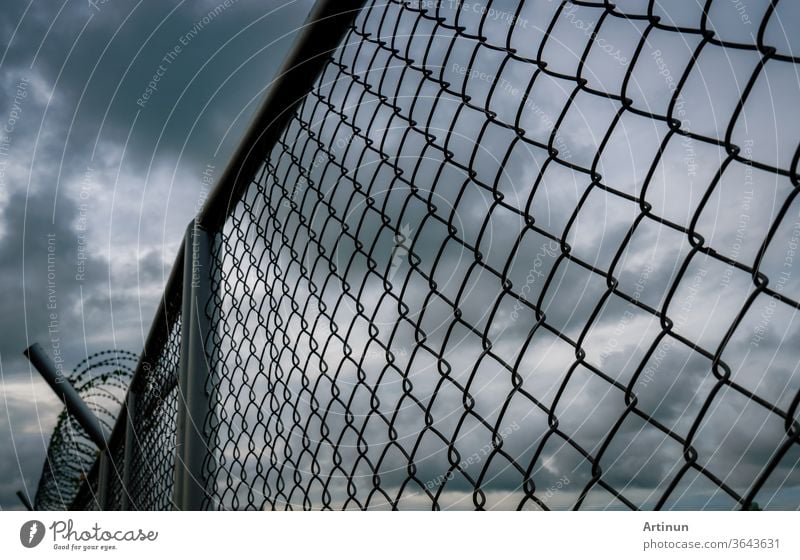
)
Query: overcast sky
[
  {"x": 93, "y": 149},
  {"x": 114, "y": 175}
]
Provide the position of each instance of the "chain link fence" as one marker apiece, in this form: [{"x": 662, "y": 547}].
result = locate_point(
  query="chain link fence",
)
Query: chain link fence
[
  {"x": 510, "y": 255},
  {"x": 154, "y": 449}
]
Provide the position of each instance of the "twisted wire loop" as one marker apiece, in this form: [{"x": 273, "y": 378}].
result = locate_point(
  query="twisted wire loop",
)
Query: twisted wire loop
[
  {"x": 519, "y": 255},
  {"x": 101, "y": 380}
]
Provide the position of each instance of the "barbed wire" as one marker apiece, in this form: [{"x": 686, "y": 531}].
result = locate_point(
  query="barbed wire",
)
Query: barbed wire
[{"x": 101, "y": 380}]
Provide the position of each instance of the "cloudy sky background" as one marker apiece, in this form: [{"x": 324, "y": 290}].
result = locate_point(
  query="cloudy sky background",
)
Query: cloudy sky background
[
  {"x": 146, "y": 183},
  {"x": 140, "y": 170}
]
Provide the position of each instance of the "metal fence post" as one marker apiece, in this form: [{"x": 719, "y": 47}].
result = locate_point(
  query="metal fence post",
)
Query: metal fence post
[
  {"x": 196, "y": 374},
  {"x": 67, "y": 393},
  {"x": 130, "y": 449},
  {"x": 183, "y": 368},
  {"x": 104, "y": 481}
]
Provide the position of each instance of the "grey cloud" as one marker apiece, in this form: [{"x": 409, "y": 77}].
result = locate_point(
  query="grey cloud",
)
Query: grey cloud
[
  {"x": 641, "y": 461},
  {"x": 132, "y": 212}
]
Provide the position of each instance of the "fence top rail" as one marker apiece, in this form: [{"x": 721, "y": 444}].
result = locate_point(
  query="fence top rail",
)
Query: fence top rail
[{"x": 320, "y": 36}]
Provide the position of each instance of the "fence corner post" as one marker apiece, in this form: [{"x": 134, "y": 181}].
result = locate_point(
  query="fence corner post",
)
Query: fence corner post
[
  {"x": 130, "y": 449},
  {"x": 104, "y": 481}
]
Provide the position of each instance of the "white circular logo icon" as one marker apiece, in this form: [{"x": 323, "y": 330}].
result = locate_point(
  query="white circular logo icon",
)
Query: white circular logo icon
[{"x": 31, "y": 533}]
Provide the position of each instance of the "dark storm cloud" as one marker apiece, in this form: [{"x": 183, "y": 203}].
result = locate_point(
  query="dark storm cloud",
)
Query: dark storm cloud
[
  {"x": 41, "y": 274},
  {"x": 113, "y": 58}
]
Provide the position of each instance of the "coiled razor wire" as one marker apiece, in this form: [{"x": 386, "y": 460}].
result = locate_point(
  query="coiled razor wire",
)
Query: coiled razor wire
[{"x": 101, "y": 380}]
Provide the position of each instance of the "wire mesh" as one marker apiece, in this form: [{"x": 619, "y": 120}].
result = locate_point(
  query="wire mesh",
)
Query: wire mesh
[
  {"x": 154, "y": 428},
  {"x": 519, "y": 255}
]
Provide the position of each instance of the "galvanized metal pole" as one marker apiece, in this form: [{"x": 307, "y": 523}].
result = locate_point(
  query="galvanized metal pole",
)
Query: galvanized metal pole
[
  {"x": 130, "y": 449},
  {"x": 25, "y": 501},
  {"x": 67, "y": 393},
  {"x": 183, "y": 367},
  {"x": 199, "y": 409},
  {"x": 103, "y": 496}
]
